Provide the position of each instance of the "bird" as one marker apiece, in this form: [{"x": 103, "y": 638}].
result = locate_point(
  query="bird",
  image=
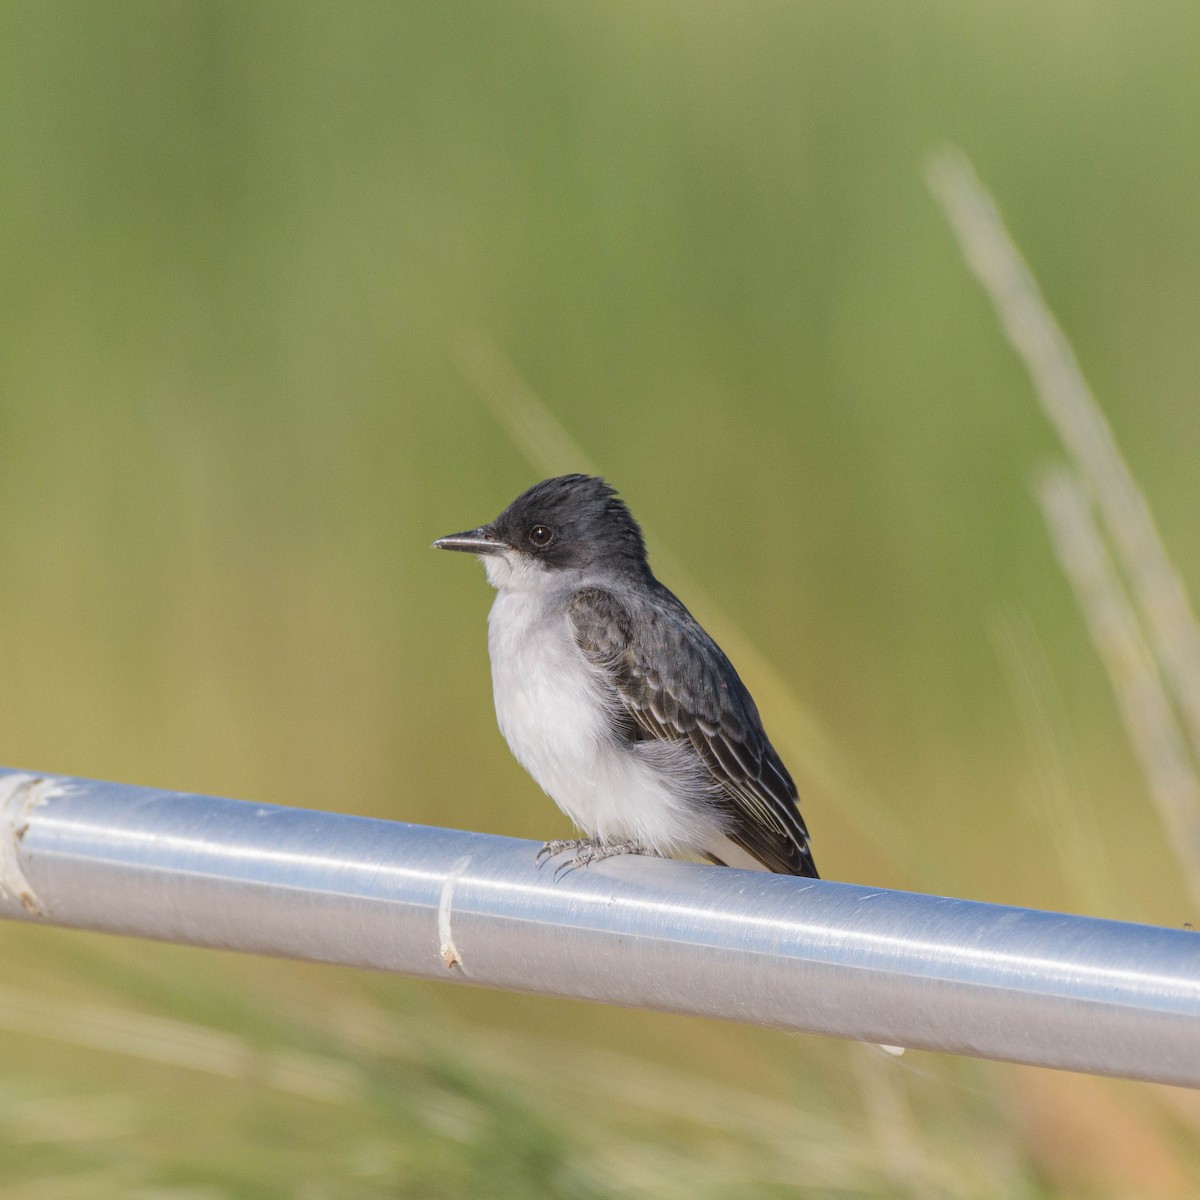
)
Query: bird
[{"x": 615, "y": 699}]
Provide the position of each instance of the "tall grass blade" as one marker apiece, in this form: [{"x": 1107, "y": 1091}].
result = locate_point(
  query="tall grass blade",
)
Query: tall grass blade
[
  {"x": 1131, "y": 668},
  {"x": 1158, "y": 590}
]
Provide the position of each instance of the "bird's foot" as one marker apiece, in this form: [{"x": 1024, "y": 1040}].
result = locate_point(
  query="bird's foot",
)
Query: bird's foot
[
  {"x": 561, "y": 846},
  {"x": 589, "y": 850}
]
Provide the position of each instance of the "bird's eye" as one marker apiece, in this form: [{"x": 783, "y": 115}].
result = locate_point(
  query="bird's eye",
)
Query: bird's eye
[{"x": 541, "y": 536}]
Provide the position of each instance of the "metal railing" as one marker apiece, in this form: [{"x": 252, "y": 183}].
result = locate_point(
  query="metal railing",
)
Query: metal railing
[{"x": 816, "y": 956}]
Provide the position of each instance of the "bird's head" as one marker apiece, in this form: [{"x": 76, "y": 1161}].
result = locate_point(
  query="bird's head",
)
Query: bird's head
[{"x": 563, "y": 529}]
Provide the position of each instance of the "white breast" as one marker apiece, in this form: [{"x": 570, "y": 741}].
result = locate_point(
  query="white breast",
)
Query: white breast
[{"x": 550, "y": 705}]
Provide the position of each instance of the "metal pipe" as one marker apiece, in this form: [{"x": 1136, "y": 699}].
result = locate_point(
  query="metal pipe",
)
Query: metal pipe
[{"x": 815, "y": 956}]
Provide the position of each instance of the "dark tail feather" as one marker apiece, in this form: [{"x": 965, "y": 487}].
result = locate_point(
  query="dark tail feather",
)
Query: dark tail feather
[{"x": 781, "y": 856}]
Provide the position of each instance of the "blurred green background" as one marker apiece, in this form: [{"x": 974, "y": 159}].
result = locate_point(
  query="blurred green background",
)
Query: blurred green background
[{"x": 246, "y": 250}]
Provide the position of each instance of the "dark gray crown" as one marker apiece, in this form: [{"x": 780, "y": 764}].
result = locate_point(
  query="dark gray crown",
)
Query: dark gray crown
[{"x": 588, "y": 522}]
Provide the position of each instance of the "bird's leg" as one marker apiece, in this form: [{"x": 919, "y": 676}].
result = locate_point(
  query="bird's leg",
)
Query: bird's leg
[{"x": 595, "y": 850}]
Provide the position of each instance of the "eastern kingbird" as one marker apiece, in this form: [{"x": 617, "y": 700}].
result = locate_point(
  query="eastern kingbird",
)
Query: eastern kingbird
[{"x": 615, "y": 700}]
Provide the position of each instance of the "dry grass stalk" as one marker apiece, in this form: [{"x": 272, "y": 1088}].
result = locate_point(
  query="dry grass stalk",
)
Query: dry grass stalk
[
  {"x": 1160, "y": 594},
  {"x": 1131, "y": 668}
]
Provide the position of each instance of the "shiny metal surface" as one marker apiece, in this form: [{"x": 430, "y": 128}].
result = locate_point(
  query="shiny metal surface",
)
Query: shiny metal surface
[{"x": 818, "y": 956}]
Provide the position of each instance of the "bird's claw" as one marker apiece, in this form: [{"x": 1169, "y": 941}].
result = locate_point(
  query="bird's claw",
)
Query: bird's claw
[
  {"x": 558, "y": 846},
  {"x": 590, "y": 850}
]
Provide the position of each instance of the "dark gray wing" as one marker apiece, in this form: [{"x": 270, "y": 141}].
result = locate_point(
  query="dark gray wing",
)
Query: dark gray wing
[{"x": 674, "y": 683}]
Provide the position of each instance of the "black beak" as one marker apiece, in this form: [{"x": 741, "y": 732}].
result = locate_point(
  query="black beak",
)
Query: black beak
[{"x": 473, "y": 541}]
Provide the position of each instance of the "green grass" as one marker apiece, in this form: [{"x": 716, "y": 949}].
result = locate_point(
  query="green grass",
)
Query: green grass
[{"x": 242, "y": 245}]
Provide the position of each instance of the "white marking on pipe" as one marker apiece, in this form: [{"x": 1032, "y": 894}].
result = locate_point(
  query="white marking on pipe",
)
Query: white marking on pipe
[
  {"x": 449, "y": 951},
  {"x": 19, "y": 796}
]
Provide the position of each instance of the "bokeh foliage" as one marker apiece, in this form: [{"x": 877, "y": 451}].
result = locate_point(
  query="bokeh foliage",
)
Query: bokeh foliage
[{"x": 242, "y": 246}]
